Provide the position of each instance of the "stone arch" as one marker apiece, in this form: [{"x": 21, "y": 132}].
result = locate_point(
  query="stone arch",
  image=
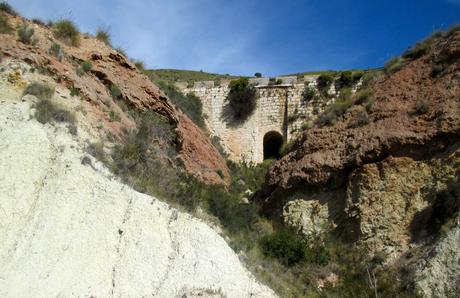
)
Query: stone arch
[{"x": 273, "y": 141}]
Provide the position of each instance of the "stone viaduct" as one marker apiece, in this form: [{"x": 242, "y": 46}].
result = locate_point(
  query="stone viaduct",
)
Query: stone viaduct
[{"x": 278, "y": 117}]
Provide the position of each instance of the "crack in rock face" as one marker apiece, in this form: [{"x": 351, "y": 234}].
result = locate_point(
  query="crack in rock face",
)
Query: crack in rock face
[{"x": 68, "y": 229}]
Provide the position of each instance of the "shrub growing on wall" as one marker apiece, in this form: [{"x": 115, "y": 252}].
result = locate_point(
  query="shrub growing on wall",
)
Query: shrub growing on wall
[
  {"x": 242, "y": 98},
  {"x": 324, "y": 82}
]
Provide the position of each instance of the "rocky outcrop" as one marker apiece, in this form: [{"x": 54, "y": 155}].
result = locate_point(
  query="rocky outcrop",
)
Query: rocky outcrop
[
  {"x": 397, "y": 126},
  {"x": 110, "y": 68},
  {"x": 69, "y": 228},
  {"x": 390, "y": 185}
]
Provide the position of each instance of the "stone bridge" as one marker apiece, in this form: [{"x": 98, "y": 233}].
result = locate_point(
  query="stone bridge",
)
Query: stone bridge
[{"x": 278, "y": 117}]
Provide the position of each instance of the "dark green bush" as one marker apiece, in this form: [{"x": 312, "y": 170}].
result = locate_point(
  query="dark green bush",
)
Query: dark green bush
[
  {"x": 285, "y": 246},
  {"x": 41, "y": 91},
  {"x": 5, "y": 7},
  {"x": 38, "y": 22},
  {"x": 258, "y": 75},
  {"x": 56, "y": 51},
  {"x": 345, "y": 80},
  {"x": 67, "y": 32},
  {"x": 190, "y": 104},
  {"x": 104, "y": 36},
  {"x": 324, "y": 82},
  {"x": 242, "y": 98},
  {"x": 309, "y": 94},
  {"x": 46, "y": 112},
  {"x": 4, "y": 25},
  {"x": 357, "y": 75}
]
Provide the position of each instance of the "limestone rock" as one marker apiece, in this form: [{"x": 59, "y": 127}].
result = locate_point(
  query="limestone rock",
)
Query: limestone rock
[{"x": 69, "y": 229}]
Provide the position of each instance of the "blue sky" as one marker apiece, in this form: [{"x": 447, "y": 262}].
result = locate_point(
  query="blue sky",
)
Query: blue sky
[{"x": 247, "y": 36}]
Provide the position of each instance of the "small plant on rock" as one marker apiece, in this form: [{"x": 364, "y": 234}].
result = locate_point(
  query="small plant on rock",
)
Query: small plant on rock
[
  {"x": 104, "y": 36},
  {"x": 56, "y": 51},
  {"x": 25, "y": 34},
  {"x": 84, "y": 68},
  {"x": 67, "y": 32}
]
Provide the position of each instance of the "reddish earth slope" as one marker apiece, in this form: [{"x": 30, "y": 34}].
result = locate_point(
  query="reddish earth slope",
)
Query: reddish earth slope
[
  {"x": 109, "y": 67},
  {"x": 416, "y": 114}
]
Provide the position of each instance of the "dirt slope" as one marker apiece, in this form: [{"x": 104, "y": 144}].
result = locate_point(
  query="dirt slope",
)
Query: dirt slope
[{"x": 137, "y": 91}]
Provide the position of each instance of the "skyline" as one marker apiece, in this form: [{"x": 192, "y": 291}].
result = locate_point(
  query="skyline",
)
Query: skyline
[{"x": 244, "y": 37}]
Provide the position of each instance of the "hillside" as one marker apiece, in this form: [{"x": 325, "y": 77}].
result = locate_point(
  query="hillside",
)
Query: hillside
[
  {"x": 385, "y": 174},
  {"x": 111, "y": 91}
]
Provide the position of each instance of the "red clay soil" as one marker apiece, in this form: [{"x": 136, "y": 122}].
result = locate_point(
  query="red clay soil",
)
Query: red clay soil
[
  {"x": 109, "y": 67},
  {"x": 416, "y": 113}
]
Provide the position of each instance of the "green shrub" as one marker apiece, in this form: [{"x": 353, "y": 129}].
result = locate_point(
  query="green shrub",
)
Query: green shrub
[
  {"x": 74, "y": 91},
  {"x": 25, "y": 34},
  {"x": 104, "y": 36},
  {"x": 324, "y": 82},
  {"x": 114, "y": 116},
  {"x": 41, "y": 91},
  {"x": 121, "y": 51},
  {"x": 309, "y": 94},
  {"x": 84, "y": 68},
  {"x": 285, "y": 246},
  {"x": 345, "y": 80},
  {"x": 423, "y": 47},
  {"x": 392, "y": 65},
  {"x": 38, "y": 22},
  {"x": 258, "y": 75},
  {"x": 46, "y": 112},
  {"x": 56, "y": 51},
  {"x": 67, "y": 32},
  {"x": 334, "y": 111},
  {"x": 190, "y": 104},
  {"x": 5, "y": 7},
  {"x": 242, "y": 98},
  {"x": 139, "y": 65},
  {"x": 4, "y": 25},
  {"x": 357, "y": 75},
  {"x": 307, "y": 125}
]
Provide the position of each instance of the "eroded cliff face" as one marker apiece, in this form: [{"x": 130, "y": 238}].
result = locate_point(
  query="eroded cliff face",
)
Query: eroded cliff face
[
  {"x": 391, "y": 185},
  {"x": 70, "y": 228},
  {"x": 110, "y": 68}
]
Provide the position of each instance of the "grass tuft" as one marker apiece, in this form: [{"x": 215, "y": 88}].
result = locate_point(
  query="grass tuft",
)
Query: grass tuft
[{"x": 67, "y": 32}]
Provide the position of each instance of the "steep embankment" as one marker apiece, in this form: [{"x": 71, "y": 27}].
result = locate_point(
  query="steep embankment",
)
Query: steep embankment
[
  {"x": 387, "y": 176},
  {"x": 111, "y": 72},
  {"x": 69, "y": 228}
]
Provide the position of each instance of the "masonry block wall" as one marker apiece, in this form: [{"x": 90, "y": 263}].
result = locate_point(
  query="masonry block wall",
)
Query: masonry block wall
[{"x": 280, "y": 108}]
